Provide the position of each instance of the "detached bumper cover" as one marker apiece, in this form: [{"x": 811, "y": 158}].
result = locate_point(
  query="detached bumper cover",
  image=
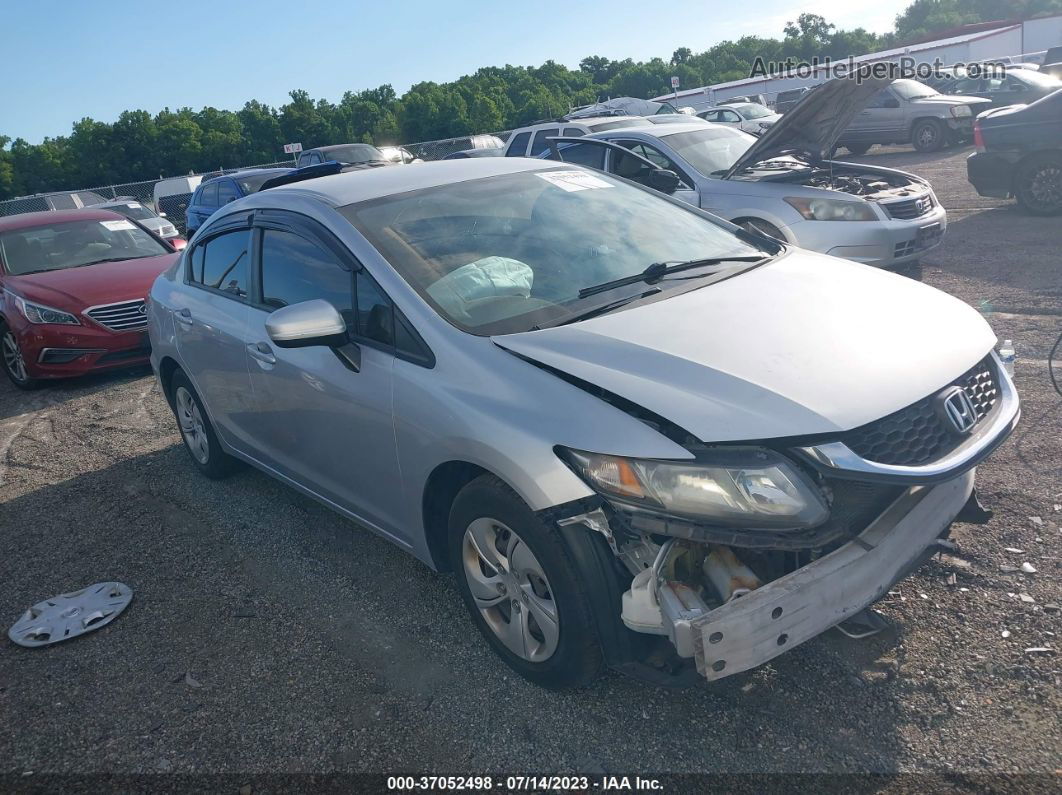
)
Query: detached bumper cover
[{"x": 749, "y": 631}]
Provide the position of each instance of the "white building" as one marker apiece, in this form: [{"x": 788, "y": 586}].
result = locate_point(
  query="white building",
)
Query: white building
[{"x": 1007, "y": 41}]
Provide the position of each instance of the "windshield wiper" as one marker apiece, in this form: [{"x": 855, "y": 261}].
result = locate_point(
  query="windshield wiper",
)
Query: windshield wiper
[
  {"x": 658, "y": 270},
  {"x": 112, "y": 259},
  {"x": 603, "y": 309}
]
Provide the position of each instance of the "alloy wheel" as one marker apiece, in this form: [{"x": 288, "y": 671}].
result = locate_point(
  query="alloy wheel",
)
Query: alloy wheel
[
  {"x": 927, "y": 136},
  {"x": 192, "y": 427},
  {"x": 511, "y": 590},
  {"x": 13, "y": 360},
  {"x": 1045, "y": 187}
]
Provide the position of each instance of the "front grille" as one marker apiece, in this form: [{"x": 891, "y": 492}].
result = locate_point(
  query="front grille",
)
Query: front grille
[
  {"x": 909, "y": 208},
  {"x": 124, "y": 316},
  {"x": 918, "y": 434}
]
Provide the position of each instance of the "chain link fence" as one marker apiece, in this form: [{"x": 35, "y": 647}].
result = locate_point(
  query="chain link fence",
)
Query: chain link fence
[{"x": 144, "y": 192}]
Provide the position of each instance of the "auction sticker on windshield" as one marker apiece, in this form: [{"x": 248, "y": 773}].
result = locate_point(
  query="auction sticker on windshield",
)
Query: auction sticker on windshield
[
  {"x": 117, "y": 226},
  {"x": 573, "y": 180}
]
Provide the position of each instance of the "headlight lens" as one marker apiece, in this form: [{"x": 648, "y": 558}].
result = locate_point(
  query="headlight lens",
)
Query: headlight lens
[
  {"x": 831, "y": 209},
  {"x": 38, "y": 313},
  {"x": 961, "y": 110},
  {"x": 741, "y": 487}
]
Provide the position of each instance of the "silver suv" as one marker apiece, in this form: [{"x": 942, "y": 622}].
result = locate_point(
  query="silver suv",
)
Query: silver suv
[
  {"x": 609, "y": 412},
  {"x": 911, "y": 112}
]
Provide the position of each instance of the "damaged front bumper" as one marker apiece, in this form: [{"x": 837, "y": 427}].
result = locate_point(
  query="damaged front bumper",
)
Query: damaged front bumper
[{"x": 760, "y": 622}]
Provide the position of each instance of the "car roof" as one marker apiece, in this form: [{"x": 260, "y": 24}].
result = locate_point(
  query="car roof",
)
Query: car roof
[
  {"x": 358, "y": 186},
  {"x": 330, "y": 147},
  {"x": 29, "y": 220},
  {"x": 656, "y": 130},
  {"x": 248, "y": 172}
]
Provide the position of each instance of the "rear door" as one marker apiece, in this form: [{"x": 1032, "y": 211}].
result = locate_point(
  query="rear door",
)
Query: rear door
[
  {"x": 204, "y": 202},
  {"x": 210, "y": 318},
  {"x": 317, "y": 422}
]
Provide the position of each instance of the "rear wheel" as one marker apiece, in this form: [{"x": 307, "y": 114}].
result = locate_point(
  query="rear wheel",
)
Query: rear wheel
[
  {"x": 13, "y": 361},
  {"x": 928, "y": 135},
  {"x": 1038, "y": 185},
  {"x": 521, "y": 587},
  {"x": 197, "y": 432}
]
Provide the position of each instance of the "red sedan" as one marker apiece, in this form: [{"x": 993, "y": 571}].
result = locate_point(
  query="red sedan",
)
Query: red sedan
[{"x": 72, "y": 289}]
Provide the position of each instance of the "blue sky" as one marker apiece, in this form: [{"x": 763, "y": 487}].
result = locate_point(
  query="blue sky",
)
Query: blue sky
[{"x": 67, "y": 60}]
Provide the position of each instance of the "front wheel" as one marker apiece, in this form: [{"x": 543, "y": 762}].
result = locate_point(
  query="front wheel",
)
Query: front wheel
[
  {"x": 521, "y": 587},
  {"x": 1038, "y": 185},
  {"x": 858, "y": 149},
  {"x": 928, "y": 136},
  {"x": 13, "y": 361}
]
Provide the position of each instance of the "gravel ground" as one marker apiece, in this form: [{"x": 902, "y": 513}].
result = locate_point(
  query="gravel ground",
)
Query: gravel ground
[{"x": 269, "y": 635}]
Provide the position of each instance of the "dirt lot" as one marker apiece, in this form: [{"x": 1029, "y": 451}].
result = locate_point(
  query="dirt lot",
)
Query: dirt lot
[{"x": 268, "y": 634}]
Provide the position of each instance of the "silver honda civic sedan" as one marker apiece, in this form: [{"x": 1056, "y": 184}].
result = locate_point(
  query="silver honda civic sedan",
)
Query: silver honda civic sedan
[{"x": 641, "y": 436}]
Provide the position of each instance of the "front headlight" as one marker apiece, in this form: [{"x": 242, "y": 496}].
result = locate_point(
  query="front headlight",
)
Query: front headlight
[
  {"x": 831, "y": 209},
  {"x": 38, "y": 313},
  {"x": 743, "y": 487},
  {"x": 961, "y": 110}
]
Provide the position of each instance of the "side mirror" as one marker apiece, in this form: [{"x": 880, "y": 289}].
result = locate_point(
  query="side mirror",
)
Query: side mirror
[
  {"x": 891, "y": 102},
  {"x": 664, "y": 180},
  {"x": 178, "y": 243},
  {"x": 311, "y": 323},
  {"x": 162, "y": 215}
]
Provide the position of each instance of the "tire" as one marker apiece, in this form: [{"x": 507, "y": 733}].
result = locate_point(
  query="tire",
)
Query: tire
[
  {"x": 928, "y": 135},
  {"x": 858, "y": 149},
  {"x": 761, "y": 226},
  {"x": 500, "y": 548},
  {"x": 12, "y": 361},
  {"x": 1038, "y": 185},
  {"x": 197, "y": 432}
]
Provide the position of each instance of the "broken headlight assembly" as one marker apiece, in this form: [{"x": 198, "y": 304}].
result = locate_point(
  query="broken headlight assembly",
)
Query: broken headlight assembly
[{"x": 738, "y": 487}]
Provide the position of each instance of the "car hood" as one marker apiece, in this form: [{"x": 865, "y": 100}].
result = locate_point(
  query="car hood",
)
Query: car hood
[
  {"x": 813, "y": 125},
  {"x": 74, "y": 289},
  {"x": 805, "y": 345}
]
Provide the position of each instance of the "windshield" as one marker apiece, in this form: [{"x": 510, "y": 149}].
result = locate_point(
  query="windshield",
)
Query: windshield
[
  {"x": 752, "y": 111},
  {"x": 355, "y": 153},
  {"x": 912, "y": 89},
  {"x": 75, "y": 243},
  {"x": 511, "y": 252},
  {"x": 712, "y": 149},
  {"x": 134, "y": 210}
]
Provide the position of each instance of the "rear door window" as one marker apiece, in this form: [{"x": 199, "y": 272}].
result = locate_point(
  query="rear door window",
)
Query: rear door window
[
  {"x": 518, "y": 146},
  {"x": 208, "y": 195},
  {"x": 589, "y": 154},
  {"x": 540, "y": 144}
]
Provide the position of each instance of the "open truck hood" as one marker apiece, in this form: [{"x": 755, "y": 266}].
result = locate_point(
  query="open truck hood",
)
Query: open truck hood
[
  {"x": 813, "y": 126},
  {"x": 805, "y": 345}
]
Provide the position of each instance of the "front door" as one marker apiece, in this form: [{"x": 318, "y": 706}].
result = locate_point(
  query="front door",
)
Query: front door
[{"x": 318, "y": 422}]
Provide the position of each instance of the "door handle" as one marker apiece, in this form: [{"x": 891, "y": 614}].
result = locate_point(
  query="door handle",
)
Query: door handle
[
  {"x": 184, "y": 316},
  {"x": 261, "y": 352}
]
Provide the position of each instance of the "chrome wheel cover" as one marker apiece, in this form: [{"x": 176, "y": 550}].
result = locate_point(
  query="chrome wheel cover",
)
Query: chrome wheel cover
[
  {"x": 13, "y": 360},
  {"x": 192, "y": 428},
  {"x": 510, "y": 589},
  {"x": 927, "y": 134}
]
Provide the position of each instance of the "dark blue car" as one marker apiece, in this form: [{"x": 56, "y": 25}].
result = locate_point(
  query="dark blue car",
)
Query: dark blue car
[{"x": 219, "y": 191}]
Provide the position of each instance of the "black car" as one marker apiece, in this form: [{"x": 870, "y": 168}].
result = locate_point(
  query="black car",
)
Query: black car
[
  {"x": 1019, "y": 153},
  {"x": 347, "y": 154},
  {"x": 1017, "y": 86}
]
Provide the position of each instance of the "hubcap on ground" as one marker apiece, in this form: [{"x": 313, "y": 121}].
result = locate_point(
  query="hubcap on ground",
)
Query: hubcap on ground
[
  {"x": 510, "y": 589},
  {"x": 192, "y": 428},
  {"x": 1046, "y": 185},
  {"x": 13, "y": 360}
]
